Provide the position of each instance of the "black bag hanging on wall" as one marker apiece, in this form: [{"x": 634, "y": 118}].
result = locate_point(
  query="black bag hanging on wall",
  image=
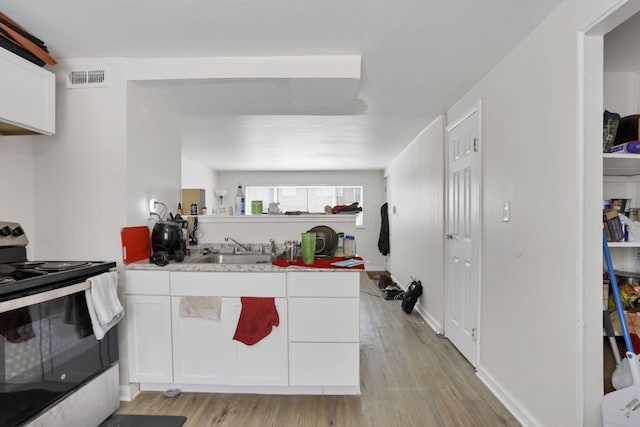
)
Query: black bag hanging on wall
[
  {"x": 383, "y": 240},
  {"x": 411, "y": 296}
]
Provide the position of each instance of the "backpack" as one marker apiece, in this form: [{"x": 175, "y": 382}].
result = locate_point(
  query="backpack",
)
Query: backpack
[{"x": 411, "y": 295}]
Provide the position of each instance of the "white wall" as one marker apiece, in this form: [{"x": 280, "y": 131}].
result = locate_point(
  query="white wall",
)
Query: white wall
[
  {"x": 17, "y": 184},
  {"x": 621, "y": 94},
  {"x": 373, "y": 192},
  {"x": 195, "y": 175},
  {"x": 153, "y": 156},
  {"x": 415, "y": 193},
  {"x": 529, "y": 343},
  {"x": 80, "y": 175}
]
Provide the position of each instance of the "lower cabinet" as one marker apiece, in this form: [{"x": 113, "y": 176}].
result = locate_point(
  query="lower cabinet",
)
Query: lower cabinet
[
  {"x": 204, "y": 351},
  {"x": 315, "y": 346},
  {"x": 149, "y": 338},
  {"x": 202, "y": 347},
  {"x": 325, "y": 364},
  {"x": 324, "y": 329}
]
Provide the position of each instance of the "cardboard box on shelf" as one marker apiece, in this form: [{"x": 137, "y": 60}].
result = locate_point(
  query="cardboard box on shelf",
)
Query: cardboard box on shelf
[{"x": 612, "y": 225}]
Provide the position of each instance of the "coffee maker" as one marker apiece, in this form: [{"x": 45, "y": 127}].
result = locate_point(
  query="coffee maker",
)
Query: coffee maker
[{"x": 167, "y": 243}]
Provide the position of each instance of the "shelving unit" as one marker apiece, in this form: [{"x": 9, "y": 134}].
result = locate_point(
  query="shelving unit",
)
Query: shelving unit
[{"x": 621, "y": 179}]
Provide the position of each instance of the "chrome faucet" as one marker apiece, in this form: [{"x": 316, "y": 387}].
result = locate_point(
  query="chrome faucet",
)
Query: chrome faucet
[{"x": 226, "y": 239}]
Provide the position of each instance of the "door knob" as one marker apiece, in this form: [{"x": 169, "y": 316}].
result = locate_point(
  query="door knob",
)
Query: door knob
[{"x": 449, "y": 236}]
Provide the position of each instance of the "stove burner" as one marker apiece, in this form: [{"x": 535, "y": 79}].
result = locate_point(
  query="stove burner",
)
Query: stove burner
[
  {"x": 10, "y": 274},
  {"x": 62, "y": 265},
  {"x": 6, "y": 279},
  {"x": 27, "y": 264}
]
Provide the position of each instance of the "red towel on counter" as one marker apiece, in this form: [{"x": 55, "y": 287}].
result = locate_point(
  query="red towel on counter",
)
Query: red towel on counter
[{"x": 257, "y": 317}]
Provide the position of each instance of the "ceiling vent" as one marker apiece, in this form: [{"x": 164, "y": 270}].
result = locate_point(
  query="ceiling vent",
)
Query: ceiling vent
[{"x": 86, "y": 79}]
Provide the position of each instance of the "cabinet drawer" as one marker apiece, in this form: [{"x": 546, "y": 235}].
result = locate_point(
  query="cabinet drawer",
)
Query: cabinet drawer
[
  {"x": 200, "y": 283},
  {"x": 324, "y": 364},
  {"x": 325, "y": 284},
  {"x": 147, "y": 282},
  {"x": 324, "y": 319}
]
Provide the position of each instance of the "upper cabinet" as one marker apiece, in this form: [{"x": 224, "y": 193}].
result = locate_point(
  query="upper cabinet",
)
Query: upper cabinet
[{"x": 27, "y": 104}]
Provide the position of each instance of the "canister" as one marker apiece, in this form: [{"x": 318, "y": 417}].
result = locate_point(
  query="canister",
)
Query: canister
[
  {"x": 349, "y": 246},
  {"x": 256, "y": 207}
]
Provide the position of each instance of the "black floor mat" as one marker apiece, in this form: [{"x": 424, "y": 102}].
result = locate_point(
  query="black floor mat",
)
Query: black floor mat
[{"x": 143, "y": 421}]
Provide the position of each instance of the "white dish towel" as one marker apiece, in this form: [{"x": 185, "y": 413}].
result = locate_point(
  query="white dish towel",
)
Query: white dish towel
[
  {"x": 104, "y": 307},
  {"x": 201, "y": 307}
]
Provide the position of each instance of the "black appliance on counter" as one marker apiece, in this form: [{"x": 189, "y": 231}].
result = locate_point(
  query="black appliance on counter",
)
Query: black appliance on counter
[
  {"x": 47, "y": 346},
  {"x": 168, "y": 242}
]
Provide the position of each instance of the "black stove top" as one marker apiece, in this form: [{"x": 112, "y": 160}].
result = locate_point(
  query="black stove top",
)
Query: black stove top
[{"x": 32, "y": 277}]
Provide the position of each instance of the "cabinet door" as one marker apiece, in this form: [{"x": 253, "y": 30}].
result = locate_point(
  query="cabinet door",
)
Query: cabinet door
[
  {"x": 265, "y": 362},
  {"x": 202, "y": 347},
  {"x": 149, "y": 338},
  {"x": 324, "y": 364},
  {"x": 324, "y": 319},
  {"x": 28, "y": 94}
]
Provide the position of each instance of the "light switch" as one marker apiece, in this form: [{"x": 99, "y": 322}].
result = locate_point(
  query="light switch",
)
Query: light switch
[{"x": 506, "y": 211}]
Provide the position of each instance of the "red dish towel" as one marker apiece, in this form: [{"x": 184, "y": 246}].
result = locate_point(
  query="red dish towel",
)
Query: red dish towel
[{"x": 257, "y": 317}]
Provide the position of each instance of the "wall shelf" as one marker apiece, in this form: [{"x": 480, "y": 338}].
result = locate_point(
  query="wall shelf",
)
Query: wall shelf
[
  {"x": 621, "y": 164},
  {"x": 278, "y": 218},
  {"x": 624, "y": 244}
]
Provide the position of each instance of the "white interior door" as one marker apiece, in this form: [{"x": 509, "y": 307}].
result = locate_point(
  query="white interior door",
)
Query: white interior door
[{"x": 463, "y": 247}]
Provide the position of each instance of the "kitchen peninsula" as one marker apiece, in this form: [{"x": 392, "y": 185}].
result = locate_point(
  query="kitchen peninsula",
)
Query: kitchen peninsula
[{"x": 313, "y": 350}]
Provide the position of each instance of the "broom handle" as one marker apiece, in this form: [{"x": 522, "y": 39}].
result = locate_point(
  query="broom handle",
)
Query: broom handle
[{"x": 616, "y": 295}]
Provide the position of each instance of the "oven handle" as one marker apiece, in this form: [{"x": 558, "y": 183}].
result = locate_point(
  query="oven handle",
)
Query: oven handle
[{"x": 42, "y": 297}]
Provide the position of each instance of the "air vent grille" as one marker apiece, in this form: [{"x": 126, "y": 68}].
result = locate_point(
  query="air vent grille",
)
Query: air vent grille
[{"x": 85, "y": 79}]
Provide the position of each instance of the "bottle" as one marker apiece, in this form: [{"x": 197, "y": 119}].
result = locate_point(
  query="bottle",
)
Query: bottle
[
  {"x": 194, "y": 208},
  {"x": 179, "y": 212},
  {"x": 349, "y": 246},
  {"x": 239, "y": 201},
  {"x": 339, "y": 252}
]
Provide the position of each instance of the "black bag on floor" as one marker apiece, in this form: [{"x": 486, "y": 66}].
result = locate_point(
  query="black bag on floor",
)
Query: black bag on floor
[{"x": 411, "y": 296}]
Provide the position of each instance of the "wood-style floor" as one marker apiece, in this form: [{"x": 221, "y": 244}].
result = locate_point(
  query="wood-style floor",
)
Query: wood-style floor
[{"x": 409, "y": 377}]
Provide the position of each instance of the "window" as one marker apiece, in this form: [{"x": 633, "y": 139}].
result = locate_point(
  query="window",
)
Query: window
[{"x": 312, "y": 198}]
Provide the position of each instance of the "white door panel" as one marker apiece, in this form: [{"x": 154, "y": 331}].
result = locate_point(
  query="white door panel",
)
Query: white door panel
[{"x": 463, "y": 222}]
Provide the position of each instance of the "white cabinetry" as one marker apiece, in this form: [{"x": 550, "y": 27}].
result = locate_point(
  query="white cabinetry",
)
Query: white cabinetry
[
  {"x": 27, "y": 104},
  {"x": 314, "y": 349},
  {"x": 149, "y": 326},
  {"x": 265, "y": 362},
  {"x": 204, "y": 350},
  {"x": 201, "y": 347},
  {"x": 324, "y": 325}
]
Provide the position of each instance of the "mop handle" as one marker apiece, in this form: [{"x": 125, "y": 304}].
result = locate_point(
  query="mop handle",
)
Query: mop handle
[{"x": 616, "y": 295}]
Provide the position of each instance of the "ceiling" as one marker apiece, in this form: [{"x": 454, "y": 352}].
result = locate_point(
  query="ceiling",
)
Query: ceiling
[{"x": 417, "y": 58}]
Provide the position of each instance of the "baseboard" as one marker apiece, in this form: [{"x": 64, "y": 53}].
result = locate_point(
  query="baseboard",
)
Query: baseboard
[
  {"x": 129, "y": 392},
  {"x": 431, "y": 321},
  {"x": 513, "y": 405}
]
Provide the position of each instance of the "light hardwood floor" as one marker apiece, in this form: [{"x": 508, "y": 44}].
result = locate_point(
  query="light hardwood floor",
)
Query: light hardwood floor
[{"x": 409, "y": 377}]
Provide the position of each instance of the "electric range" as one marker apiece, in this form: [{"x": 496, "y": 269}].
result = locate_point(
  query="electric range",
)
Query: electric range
[{"x": 48, "y": 349}]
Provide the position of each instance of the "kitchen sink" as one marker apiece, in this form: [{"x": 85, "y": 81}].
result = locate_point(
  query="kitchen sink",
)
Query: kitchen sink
[{"x": 237, "y": 258}]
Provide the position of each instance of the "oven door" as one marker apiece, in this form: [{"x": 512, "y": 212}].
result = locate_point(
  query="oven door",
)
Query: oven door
[{"x": 47, "y": 349}]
